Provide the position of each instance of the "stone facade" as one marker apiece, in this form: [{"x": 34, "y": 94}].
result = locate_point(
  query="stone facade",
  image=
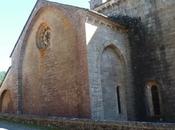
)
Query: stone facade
[
  {"x": 85, "y": 124},
  {"x": 114, "y": 63},
  {"x": 47, "y": 79},
  {"x": 152, "y": 49},
  {"x": 100, "y": 48}
]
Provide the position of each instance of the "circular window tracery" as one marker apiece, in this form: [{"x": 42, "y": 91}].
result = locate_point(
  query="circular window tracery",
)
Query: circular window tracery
[{"x": 43, "y": 36}]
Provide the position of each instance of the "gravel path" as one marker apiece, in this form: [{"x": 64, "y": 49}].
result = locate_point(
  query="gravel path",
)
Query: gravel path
[{"x": 5, "y": 125}]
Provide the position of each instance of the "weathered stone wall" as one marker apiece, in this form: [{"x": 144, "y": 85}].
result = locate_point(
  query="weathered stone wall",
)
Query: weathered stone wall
[
  {"x": 51, "y": 77},
  {"x": 50, "y": 64},
  {"x": 109, "y": 71},
  {"x": 77, "y": 124},
  {"x": 55, "y": 82},
  {"x": 51, "y": 81},
  {"x": 95, "y": 3},
  {"x": 8, "y": 92},
  {"x": 153, "y": 52}
]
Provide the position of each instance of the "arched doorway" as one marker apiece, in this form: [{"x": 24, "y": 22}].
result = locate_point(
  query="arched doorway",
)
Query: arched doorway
[
  {"x": 111, "y": 77},
  {"x": 6, "y": 102}
]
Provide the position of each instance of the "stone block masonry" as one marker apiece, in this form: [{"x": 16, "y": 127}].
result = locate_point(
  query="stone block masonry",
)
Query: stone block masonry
[
  {"x": 77, "y": 124},
  {"x": 153, "y": 52},
  {"x": 77, "y": 63}
]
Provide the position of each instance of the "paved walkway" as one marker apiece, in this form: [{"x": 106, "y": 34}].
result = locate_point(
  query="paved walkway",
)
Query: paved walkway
[{"x": 5, "y": 125}]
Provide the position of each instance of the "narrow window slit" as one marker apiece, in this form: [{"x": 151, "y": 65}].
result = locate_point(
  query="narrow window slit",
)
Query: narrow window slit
[{"x": 118, "y": 99}]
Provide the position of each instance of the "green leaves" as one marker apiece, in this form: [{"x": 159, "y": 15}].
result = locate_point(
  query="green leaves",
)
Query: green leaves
[{"x": 2, "y": 75}]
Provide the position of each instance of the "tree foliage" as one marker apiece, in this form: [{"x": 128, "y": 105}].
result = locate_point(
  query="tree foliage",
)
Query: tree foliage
[{"x": 2, "y": 75}]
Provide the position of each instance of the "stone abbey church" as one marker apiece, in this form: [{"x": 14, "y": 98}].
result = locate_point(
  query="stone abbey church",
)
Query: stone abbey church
[{"x": 115, "y": 61}]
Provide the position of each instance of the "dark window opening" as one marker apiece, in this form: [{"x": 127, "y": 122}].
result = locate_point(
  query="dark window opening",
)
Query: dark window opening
[
  {"x": 118, "y": 99},
  {"x": 155, "y": 100}
]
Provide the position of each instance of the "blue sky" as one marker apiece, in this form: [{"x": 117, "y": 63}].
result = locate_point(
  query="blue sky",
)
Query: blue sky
[{"x": 13, "y": 14}]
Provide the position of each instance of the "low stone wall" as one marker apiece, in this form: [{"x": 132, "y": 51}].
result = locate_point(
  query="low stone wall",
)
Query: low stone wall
[{"x": 83, "y": 124}]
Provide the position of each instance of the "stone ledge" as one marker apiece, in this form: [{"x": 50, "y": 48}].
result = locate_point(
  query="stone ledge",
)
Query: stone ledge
[{"x": 85, "y": 124}]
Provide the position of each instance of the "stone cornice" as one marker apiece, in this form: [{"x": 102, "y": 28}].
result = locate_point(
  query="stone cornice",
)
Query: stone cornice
[
  {"x": 106, "y": 5},
  {"x": 98, "y": 19}
]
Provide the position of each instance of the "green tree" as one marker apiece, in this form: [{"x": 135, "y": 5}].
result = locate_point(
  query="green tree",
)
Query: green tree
[{"x": 2, "y": 75}]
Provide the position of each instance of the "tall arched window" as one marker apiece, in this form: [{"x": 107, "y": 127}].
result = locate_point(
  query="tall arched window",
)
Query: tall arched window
[{"x": 153, "y": 99}]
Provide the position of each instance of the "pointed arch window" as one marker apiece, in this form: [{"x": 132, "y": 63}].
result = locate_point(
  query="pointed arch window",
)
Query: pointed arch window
[{"x": 153, "y": 99}]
